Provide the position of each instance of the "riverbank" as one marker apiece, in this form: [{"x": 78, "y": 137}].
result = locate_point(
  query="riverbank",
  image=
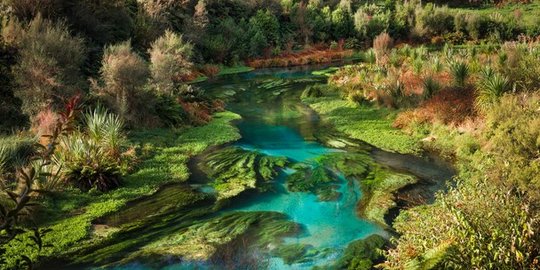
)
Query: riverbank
[
  {"x": 367, "y": 123},
  {"x": 301, "y": 58},
  {"x": 381, "y": 188},
  {"x": 165, "y": 156}
]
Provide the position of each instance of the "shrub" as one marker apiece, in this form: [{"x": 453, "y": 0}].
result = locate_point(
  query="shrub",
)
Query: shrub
[
  {"x": 370, "y": 21},
  {"x": 431, "y": 87},
  {"x": 382, "y": 45},
  {"x": 460, "y": 22},
  {"x": 460, "y": 72},
  {"x": 11, "y": 116},
  {"x": 124, "y": 75},
  {"x": 475, "y": 25},
  {"x": 169, "y": 57},
  {"x": 91, "y": 158},
  {"x": 48, "y": 68},
  {"x": 490, "y": 88},
  {"x": 512, "y": 128},
  {"x": 464, "y": 230},
  {"x": 171, "y": 112},
  {"x": 433, "y": 21}
]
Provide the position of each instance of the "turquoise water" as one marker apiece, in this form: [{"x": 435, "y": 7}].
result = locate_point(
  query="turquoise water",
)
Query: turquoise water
[
  {"x": 277, "y": 124},
  {"x": 327, "y": 225}
]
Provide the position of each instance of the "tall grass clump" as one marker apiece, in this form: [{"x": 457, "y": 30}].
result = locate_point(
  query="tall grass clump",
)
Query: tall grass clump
[
  {"x": 382, "y": 44},
  {"x": 460, "y": 72},
  {"x": 430, "y": 87},
  {"x": 91, "y": 157},
  {"x": 491, "y": 87}
]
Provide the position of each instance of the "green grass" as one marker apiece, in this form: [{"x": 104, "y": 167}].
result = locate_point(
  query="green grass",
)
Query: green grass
[
  {"x": 170, "y": 150},
  {"x": 366, "y": 123},
  {"x": 325, "y": 72}
]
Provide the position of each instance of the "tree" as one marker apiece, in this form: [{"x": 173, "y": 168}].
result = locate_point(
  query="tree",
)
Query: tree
[
  {"x": 197, "y": 26},
  {"x": 124, "y": 75},
  {"x": 342, "y": 23},
  {"x": 169, "y": 57},
  {"x": 321, "y": 21},
  {"x": 11, "y": 116},
  {"x": 299, "y": 17},
  {"x": 263, "y": 31},
  {"x": 48, "y": 68}
]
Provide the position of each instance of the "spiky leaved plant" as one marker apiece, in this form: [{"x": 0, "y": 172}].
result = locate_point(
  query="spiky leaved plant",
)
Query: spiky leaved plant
[
  {"x": 431, "y": 87},
  {"x": 491, "y": 87},
  {"x": 92, "y": 156},
  {"x": 106, "y": 129},
  {"x": 20, "y": 189},
  {"x": 460, "y": 72},
  {"x": 88, "y": 165}
]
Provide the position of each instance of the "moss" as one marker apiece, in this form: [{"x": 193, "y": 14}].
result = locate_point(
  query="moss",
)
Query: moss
[
  {"x": 366, "y": 123},
  {"x": 234, "y": 170},
  {"x": 166, "y": 163}
]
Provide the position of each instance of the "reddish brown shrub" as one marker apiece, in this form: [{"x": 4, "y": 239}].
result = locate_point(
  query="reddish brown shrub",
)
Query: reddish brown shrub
[
  {"x": 450, "y": 106},
  {"x": 210, "y": 70}
]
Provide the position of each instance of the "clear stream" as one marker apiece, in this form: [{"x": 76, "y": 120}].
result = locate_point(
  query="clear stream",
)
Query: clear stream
[
  {"x": 277, "y": 124},
  {"x": 327, "y": 224}
]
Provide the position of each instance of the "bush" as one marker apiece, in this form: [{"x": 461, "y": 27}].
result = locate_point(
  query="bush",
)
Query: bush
[
  {"x": 460, "y": 72},
  {"x": 48, "y": 68},
  {"x": 370, "y": 21},
  {"x": 433, "y": 21},
  {"x": 169, "y": 57},
  {"x": 11, "y": 116},
  {"x": 382, "y": 45},
  {"x": 91, "y": 158},
  {"x": 490, "y": 88},
  {"x": 476, "y": 25},
  {"x": 464, "y": 230},
  {"x": 124, "y": 75},
  {"x": 170, "y": 112},
  {"x": 512, "y": 132}
]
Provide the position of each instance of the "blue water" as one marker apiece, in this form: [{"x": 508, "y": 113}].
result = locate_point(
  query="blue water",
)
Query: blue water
[{"x": 326, "y": 224}]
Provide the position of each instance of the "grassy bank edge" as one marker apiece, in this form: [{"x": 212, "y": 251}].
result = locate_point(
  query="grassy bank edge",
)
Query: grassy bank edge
[{"x": 171, "y": 150}]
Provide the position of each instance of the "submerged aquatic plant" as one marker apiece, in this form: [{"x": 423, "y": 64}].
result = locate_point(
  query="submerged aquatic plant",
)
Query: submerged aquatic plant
[{"x": 235, "y": 170}]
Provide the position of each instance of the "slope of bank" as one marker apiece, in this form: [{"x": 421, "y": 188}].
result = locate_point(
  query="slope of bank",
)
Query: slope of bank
[{"x": 167, "y": 153}]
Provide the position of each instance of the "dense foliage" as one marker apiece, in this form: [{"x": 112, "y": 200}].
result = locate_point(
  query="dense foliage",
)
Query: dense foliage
[{"x": 129, "y": 64}]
